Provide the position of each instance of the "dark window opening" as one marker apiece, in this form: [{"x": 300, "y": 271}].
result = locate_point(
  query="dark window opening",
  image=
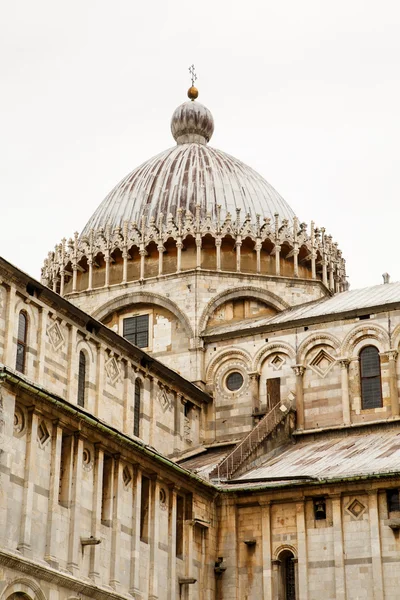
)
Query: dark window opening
[
  {"x": 320, "y": 509},
  {"x": 234, "y": 381},
  {"x": 107, "y": 491},
  {"x": 21, "y": 342},
  {"x": 81, "y": 379},
  {"x": 273, "y": 392},
  {"x": 136, "y": 409},
  {"x": 370, "y": 372},
  {"x": 180, "y": 513},
  {"x": 144, "y": 509},
  {"x": 287, "y": 576},
  {"x": 136, "y": 330},
  {"x": 66, "y": 461},
  {"x": 393, "y": 500},
  {"x": 364, "y": 317}
]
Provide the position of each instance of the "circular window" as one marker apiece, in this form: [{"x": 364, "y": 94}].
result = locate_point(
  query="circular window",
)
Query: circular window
[{"x": 234, "y": 381}]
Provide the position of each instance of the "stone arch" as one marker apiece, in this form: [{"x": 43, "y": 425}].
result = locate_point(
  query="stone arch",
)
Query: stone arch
[
  {"x": 225, "y": 355},
  {"x": 86, "y": 348},
  {"x": 143, "y": 298},
  {"x": 396, "y": 337},
  {"x": 241, "y": 292},
  {"x": 26, "y": 307},
  {"x": 271, "y": 348},
  {"x": 23, "y": 585},
  {"x": 316, "y": 339},
  {"x": 370, "y": 334},
  {"x": 285, "y": 548}
]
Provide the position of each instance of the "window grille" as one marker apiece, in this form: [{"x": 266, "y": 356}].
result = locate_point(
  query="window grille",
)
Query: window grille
[
  {"x": 136, "y": 330},
  {"x": 393, "y": 500},
  {"x": 370, "y": 372},
  {"x": 136, "y": 409},
  {"x": 234, "y": 381},
  {"x": 21, "y": 342},
  {"x": 81, "y": 379}
]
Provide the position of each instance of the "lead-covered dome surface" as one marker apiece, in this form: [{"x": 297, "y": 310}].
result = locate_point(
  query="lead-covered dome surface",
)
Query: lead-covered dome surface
[{"x": 190, "y": 174}]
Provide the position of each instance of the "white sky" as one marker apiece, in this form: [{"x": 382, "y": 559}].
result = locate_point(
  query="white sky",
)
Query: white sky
[{"x": 306, "y": 92}]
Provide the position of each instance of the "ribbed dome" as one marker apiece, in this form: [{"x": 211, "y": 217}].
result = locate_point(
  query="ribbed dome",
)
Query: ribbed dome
[{"x": 187, "y": 175}]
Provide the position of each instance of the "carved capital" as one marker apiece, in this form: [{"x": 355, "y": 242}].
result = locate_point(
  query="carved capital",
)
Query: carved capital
[
  {"x": 299, "y": 370},
  {"x": 344, "y": 362}
]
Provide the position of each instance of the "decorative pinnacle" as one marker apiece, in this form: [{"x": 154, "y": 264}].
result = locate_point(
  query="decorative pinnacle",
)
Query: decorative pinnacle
[{"x": 193, "y": 92}]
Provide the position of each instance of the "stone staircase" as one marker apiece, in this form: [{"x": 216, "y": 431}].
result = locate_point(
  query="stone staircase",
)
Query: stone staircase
[{"x": 231, "y": 463}]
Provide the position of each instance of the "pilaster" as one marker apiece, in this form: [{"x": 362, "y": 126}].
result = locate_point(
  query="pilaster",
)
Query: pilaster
[
  {"x": 376, "y": 551},
  {"x": 135, "y": 540},
  {"x": 338, "y": 549},
  {"x": 94, "y": 564},
  {"x": 116, "y": 524},
  {"x": 302, "y": 550},
  {"x": 266, "y": 550},
  {"x": 52, "y": 514},
  {"x": 344, "y": 364},
  {"x": 299, "y": 372},
  {"x": 24, "y": 545},
  {"x": 75, "y": 508},
  {"x": 154, "y": 525}
]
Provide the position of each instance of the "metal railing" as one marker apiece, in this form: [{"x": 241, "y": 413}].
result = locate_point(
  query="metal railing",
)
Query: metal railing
[{"x": 267, "y": 424}]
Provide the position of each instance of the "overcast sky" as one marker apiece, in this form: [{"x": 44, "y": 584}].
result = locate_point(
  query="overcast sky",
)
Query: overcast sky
[{"x": 306, "y": 92}]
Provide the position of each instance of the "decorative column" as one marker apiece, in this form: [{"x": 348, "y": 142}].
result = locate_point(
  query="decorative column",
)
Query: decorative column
[
  {"x": 179, "y": 255},
  {"x": 52, "y": 513},
  {"x": 238, "y": 245},
  {"x": 313, "y": 264},
  {"x": 42, "y": 335},
  {"x": 142, "y": 253},
  {"x": 299, "y": 371},
  {"x": 296, "y": 262},
  {"x": 74, "y": 546},
  {"x": 94, "y": 564},
  {"x": 124, "y": 265},
  {"x": 189, "y": 523},
  {"x": 172, "y": 543},
  {"x": 161, "y": 251},
  {"x": 255, "y": 389},
  {"x": 74, "y": 275},
  {"x": 107, "y": 262},
  {"x": 302, "y": 551},
  {"x": 10, "y": 348},
  {"x": 24, "y": 545},
  {"x": 376, "y": 551},
  {"x": 266, "y": 549},
  {"x": 338, "y": 550},
  {"x": 71, "y": 386},
  {"x": 198, "y": 250},
  {"x": 324, "y": 271},
  {"x": 154, "y": 526},
  {"x": 135, "y": 546},
  {"x": 394, "y": 392},
  {"x": 90, "y": 263},
  {"x": 116, "y": 524},
  {"x": 331, "y": 278},
  {"x": 344, "y": 364},
  {"x": 277, "y": 259},
  {"x": 177, "y": 422},
  {"x": 257, "y": 248},
  {"x": 218, "y": 243}
]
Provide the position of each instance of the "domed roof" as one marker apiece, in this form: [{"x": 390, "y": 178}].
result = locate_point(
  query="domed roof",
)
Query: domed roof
[{"x": 192, "y": 173}]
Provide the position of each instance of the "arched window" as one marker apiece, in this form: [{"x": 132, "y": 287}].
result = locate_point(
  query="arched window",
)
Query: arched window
[
  {"x": 370, "y": 374},
  {"x": 81, "y": 379},
  {"x": 21, "y": 342},
  {"x": 136, "y": 408},
  {"x": 287, "y": 576}
]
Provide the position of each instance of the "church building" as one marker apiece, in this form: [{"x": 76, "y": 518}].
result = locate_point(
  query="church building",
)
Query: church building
[{"x": 193, "y": 404}]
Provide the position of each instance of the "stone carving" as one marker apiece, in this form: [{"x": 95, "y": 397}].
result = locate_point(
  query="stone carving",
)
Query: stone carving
[
  {"x": 322, "y": 363},
  {"x": 277, "y": 363},
  {"x": 55, "y": 335},
  {"x": 356, "y": 508},
  {"x": 165, "y": 399},
  {"x": 112, "y": 369},
  {"x": 43, "y": 434},
  {"x": 126, "y": 476},
  {"x": 19, "y": 420}
]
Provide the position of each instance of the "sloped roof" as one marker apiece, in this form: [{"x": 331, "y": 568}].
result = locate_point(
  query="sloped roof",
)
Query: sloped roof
[{"x": 344, "y": 302}]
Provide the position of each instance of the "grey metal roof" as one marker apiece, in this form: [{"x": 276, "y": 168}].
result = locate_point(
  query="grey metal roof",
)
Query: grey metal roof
[
  {"x": 351, "y": 300},
  {"x": 182, "y": 177},
  {"x": 357, "y": 454}
]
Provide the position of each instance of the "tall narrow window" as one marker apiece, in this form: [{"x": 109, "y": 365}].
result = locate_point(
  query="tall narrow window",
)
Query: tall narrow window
[
  {"x": 180, "y": 508},
  {"x": 273, "y": 392},
  {"x": 107, "y": 491},
  {"x": 370, "y": 372},
  {"x": 81, "y": 379},
  {"x": 136, "y": 408},
  {"x": 21, "y": 342},
  {"x": 136, "y": 330},
  {"x": 144, "y": 509},
  {"x": 288, "y": 576}
]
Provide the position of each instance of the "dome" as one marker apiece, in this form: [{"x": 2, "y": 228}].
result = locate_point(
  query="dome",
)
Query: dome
[{"x": 189, "y": 174}]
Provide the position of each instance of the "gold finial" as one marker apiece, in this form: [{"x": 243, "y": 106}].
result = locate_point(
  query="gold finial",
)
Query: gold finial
[{"x": 193, "y": 92}]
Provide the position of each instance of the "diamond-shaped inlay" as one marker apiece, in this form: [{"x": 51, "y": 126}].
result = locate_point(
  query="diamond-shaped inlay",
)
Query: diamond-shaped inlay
[
  {"x": 55, "y": 335},
  {"x": 277, "y": 362},
  {"x": 43, "y": 433},
  {"x": 322, "y": 363},
  {"x": 164, "y": 399},
  {"x": 126, "y": 476},
  {"x": 112, "y": 369},
  {"x": 356, "y": 508}
]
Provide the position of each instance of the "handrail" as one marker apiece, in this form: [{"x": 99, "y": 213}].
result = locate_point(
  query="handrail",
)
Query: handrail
[{"x": 253, "y": 439}]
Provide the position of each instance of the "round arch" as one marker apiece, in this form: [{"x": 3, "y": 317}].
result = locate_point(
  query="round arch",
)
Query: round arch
[
  {"x": 143, "y": 298},
  {"x": 371, "y": 334},
  {"x": 23, "y": 585},
  {"x": 317, "y": 339},
  {"x": 218, "y": 360},
  {"x": 285, "y": 548},
  {"x": 271, "y": 348},
  {"x": 240, "y": 292}
]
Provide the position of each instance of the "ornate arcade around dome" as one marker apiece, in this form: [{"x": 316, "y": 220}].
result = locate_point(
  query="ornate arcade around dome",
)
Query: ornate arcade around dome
[{"x": 192, "y": 207}]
